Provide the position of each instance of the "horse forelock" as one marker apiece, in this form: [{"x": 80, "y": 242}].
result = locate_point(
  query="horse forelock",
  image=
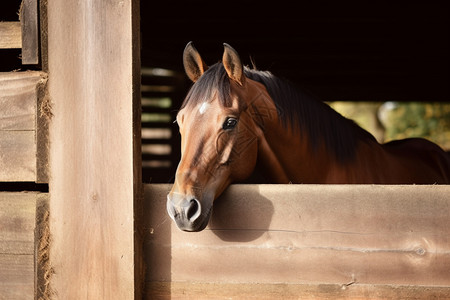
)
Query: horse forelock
[{"x": 214, "y": 83}]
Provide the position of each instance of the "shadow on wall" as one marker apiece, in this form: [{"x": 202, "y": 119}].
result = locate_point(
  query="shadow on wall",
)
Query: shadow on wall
[
  {"x": 241, "y": 218},
  {"x": 168, "y": 252}
]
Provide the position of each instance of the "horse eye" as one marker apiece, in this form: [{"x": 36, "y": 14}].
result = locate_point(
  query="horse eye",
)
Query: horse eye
[{"x": 229, "y": 123}]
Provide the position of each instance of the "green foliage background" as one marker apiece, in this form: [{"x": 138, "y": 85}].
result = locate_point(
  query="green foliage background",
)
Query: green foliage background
[
  {"x": 427, "y": 120},
  {"x": 398, "y": 120}
]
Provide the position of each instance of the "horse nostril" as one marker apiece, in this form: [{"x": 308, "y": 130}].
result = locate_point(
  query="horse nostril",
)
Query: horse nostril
[
  {"x": 170, "y": 209},
  {"x": 193, "y": 210}
]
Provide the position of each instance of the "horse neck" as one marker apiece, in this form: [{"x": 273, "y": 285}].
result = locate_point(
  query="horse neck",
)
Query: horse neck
[{"x": 285, "y": 155}]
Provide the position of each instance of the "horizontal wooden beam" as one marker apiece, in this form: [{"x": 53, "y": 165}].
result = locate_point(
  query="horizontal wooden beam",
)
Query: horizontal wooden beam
[
  {"x": 345, "y": 235},
  {"x": 17, "y": 224},
  {"x": 20, "y": 93},
  {"x": 18, "y": 156},
  {"x": 349, "y": 291},
  {"x": 10, "y": 35},
  {"x": 18, "y": 98}
]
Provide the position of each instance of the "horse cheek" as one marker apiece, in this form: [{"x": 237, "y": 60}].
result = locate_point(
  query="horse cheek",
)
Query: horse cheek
[{"x": 245, "y": 164}]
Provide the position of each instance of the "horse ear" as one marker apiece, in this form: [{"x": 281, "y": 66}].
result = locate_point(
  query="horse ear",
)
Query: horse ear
[
  {"x": 233, "y": 64},
  {"x": 194, "y": 66}
]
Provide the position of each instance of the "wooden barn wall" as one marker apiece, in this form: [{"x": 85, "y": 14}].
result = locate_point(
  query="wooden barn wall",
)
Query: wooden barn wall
[
  {"x": 304, "y": 240},
  {"x": 266, "y": 242},
  {"x": 328, "y": 242}
]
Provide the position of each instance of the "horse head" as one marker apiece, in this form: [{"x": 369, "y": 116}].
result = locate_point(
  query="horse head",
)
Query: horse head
[{"x": 219, "y": 138}]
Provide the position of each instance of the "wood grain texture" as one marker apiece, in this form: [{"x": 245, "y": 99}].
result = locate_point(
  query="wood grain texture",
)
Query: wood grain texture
[
  {"x": 307, "y": 234},
  {"x": 254, "y": 291},
  {"x": 30, "y": 32},
  {"x": 17, "y": 221},
  {"x": 18, "y": 99},
  {"x": 95, "y": 165},
  {"x": 16, "y": 276},
  {"x": 43, "y": 117},
  {"x": 17, "y": 224},
  {"x": 10, "y": 35},
  {"x": 43, "y": 269},
  {"x": 17, "y": 156}
]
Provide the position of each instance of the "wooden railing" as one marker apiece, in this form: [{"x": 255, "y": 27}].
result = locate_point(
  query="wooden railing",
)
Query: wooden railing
[{"x": 304, "y": 241}]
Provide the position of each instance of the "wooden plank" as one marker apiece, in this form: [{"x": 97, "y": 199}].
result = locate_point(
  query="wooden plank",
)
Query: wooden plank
[
  {"x": 18, "y": 98},
  {"x": 30, "y": 32},
  {"x": 10, "y": 35},
  {"x": 95, "y": 179},
  {"x": 43, "y": 34},
  {"x": 18, "y": 156},
  {"x": 43, "y": 269},
  {"x": 17, "y": 224},
  {"x": 19, "y": 94},
  {"x": 17, "y": 215},
  {"x": 44, "y": 107},
  {"x": 208, "y": 291},
  {"x": 43, "y": 117},
  {"x": 306, "y": 234},
  {"x": 16, "y": 276}
]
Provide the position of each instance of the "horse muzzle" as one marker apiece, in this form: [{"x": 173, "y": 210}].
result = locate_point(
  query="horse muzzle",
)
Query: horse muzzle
[{"x": 187, "y": 212}]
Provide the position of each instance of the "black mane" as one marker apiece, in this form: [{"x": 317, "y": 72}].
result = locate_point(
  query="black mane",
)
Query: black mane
[{"x": 295, "y": 108}]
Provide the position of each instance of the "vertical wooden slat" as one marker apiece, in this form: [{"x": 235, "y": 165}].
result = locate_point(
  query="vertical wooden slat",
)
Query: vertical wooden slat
[
  {"x": 43, "y": 25},
  {"x": 42, "y": 267},
  {"x": 30, "y": 36},
  {"x": 95, "y": 181},
  {"x": 43, "y": 117}
]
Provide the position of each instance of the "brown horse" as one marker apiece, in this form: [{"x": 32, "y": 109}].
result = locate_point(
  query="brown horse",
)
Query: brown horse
[{"x": 235, "y": 120}]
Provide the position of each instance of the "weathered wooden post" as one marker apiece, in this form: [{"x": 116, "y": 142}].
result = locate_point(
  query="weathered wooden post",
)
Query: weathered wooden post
[{"x": 95, "y": 169}]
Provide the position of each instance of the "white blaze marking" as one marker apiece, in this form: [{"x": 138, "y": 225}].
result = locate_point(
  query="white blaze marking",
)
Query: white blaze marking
[{"x": 203, "y": 107}]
